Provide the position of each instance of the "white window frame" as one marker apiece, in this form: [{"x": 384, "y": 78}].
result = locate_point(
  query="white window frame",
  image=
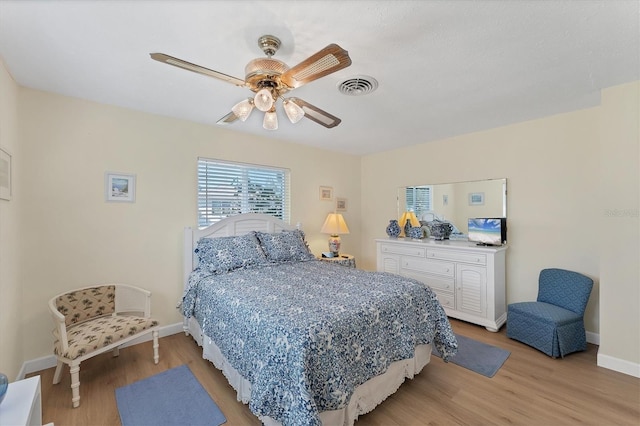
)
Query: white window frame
[{"x": 223, "y": 189}]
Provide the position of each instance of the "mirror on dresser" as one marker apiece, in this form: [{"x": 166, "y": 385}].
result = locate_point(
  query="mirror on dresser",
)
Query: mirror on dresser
[{"x": 455, "y": 202}]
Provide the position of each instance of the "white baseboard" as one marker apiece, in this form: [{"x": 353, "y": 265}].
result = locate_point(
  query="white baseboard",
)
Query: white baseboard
[
  {"x": 611, "y": 363},
  {"x": 50, "y": 361},
  {"x": 619, "y": 365}
]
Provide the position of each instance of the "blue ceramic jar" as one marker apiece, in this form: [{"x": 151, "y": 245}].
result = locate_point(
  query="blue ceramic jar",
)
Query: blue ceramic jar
[{"x": 393, "y": 230}]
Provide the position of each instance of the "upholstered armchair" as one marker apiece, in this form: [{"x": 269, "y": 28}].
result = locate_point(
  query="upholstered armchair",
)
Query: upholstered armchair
[
  {"x": 93, "y": 320},
  {"x": 554, "y": 324}
]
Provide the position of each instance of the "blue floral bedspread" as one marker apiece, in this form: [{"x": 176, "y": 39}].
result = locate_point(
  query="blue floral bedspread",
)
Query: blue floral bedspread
[{"x": 305, "y": 334}]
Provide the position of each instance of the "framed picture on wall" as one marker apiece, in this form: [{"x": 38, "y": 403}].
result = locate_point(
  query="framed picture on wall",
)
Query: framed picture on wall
[
  {"x": 476, "y": 198},
  {"x": 341, "y": 204},
  {"x": 5, "y": 175},
  {"x": 119, "y": 187},
  {"x": 326, "y": 193}
]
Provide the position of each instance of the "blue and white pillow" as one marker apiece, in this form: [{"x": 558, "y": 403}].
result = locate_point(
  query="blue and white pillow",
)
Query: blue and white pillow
[
  {"x": 285, "y": 246},
  {"x": 224, "y": 254}
]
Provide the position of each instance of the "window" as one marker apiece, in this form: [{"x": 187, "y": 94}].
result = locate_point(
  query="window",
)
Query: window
[
  {"x": 419, "y": 199},
  {"x": 226, "y": 189}
]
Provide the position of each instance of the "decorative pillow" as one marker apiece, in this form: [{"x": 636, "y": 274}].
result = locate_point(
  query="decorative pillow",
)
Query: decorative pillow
[
  {"x": 286, "y": 246},
  {"x": 224, "y": 254}
]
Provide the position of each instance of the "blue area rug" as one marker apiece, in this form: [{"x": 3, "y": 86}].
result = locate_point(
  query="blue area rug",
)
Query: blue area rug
[
  {"x": 173, "y": 397},
  {"x": 477, "y": 356}
]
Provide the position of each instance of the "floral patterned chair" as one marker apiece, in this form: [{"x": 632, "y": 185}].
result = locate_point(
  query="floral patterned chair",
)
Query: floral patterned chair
[{"x": 93, "y": 320}]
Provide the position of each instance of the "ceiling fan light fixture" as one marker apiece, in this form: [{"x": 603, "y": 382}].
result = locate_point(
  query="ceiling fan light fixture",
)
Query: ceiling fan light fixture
[
  {"x": 271, "y": 78},
  {"x": 243, "y": 109},
  {"x": 293, "y": 111},
  {"x": 263, "y": 100},
  {"x": 270, "y": 121}
]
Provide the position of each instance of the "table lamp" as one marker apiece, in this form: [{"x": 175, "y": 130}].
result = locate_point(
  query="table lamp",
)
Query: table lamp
[
  {"x": 410, "y": 217},
  {"x": 334, "y": 225}
]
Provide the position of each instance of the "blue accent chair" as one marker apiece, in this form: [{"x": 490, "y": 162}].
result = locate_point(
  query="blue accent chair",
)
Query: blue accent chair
[{"x": 554, "y": 324}]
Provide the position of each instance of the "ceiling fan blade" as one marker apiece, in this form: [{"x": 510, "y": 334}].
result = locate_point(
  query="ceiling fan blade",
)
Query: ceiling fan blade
[
  {"x": 161, "y": 57},
  {"x": 228, "y": 119},
  {"x": 314, "y": 113},
  {"x": 330, "y": 59}
]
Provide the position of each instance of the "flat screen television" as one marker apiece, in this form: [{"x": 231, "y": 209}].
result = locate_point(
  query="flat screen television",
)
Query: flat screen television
[{"x": 488, "y": 231}]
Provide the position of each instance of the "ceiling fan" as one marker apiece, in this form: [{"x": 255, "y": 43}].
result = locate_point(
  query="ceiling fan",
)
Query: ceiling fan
[{"x": 271, "y": 79}]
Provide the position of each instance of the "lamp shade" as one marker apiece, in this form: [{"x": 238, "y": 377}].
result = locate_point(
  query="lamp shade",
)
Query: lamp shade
[
  {"x": 335, "y": 225},
  {"x": 263, "y": 100},
  {"x": 411, "y": 217},
  {"x": 243, "y": 108},
  {"x": 270, "y": 121},
  {"x": 293, "y": 111}
]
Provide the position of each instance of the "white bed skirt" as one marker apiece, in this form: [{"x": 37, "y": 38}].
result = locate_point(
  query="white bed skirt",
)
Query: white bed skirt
[{"x": 364, "y": 399}]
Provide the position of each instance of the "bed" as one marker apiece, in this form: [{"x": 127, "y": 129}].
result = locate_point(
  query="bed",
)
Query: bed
[{"x": 303, "y": 342}]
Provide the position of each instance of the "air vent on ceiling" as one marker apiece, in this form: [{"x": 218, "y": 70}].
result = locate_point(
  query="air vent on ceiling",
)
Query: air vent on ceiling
[{"x": 358, "y": 85}]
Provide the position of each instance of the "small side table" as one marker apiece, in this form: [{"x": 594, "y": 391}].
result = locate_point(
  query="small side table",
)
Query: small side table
[
  {"x": 22, "y": 404},
  {"x": 343, "y": 259}
]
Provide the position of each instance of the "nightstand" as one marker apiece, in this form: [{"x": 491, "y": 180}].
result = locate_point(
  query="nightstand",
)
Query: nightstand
[
  {"x": 22, "y": 404},
  {"x": 344, "y": 260}
]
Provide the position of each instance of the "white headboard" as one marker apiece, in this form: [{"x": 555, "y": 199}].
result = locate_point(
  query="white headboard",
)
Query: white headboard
[{"x": 235, "y": 225}]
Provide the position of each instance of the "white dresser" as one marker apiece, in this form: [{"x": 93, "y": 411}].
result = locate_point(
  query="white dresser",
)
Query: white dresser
[{"x": 468, "y": 279}]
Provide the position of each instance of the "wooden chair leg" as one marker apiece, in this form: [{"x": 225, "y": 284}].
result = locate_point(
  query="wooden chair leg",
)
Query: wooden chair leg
[
  {"x": 75, "y": 384},
  {"x": 156, "y": 357},
  {"x": 58, "y": 374}
]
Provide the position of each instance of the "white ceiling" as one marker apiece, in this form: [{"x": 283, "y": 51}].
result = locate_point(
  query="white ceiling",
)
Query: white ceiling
[{"x": 444, "y": 68}]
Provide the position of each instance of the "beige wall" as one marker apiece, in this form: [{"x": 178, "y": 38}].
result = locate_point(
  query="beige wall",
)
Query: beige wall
[
  {"x": 554, "y": 167},
  {"x": 73, "y": 238},
  {"x": 549, "y": 165},
  {"x": 11, "y": 325},
  {"x": 618, "y": 231}
]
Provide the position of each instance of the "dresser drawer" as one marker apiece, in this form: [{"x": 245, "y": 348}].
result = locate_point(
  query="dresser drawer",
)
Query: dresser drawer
[
  {"x": 440, "y": 283},
  {"x": 433, "y": 267},
  {"x": 433, "y": 281},
  {"x": 456, "y": 256},
  {"x": 446, "y": 299},
  {"x": 403, "y": 250}
]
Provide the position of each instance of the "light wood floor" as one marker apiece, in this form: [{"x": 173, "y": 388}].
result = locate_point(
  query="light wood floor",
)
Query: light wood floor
[{"x": 530, "y": 389}]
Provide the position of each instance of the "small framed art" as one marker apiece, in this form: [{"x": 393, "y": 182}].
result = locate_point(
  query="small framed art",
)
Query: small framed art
[
  {"x": 326, "y": 193},
  {"x": 119, "y": 187},
  {"x": 341, "y": 204},
  {"x": 5, "y": 175},
  {"x": 476, "y": 198}
]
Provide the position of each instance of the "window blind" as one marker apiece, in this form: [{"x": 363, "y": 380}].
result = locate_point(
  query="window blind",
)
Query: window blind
[
  {"x": 226, "y": 189},
  {"x": 419, "y": 199}
]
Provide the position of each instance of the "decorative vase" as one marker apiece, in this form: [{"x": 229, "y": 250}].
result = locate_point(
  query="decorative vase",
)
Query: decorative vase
[
  {"x": 393, "y": 230},
  {"x": 415, "y": 232},
  {"x": 440, "y": 230},
  {"x": 407, "y": 227},
  {"x": 4, "y": 384}
]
